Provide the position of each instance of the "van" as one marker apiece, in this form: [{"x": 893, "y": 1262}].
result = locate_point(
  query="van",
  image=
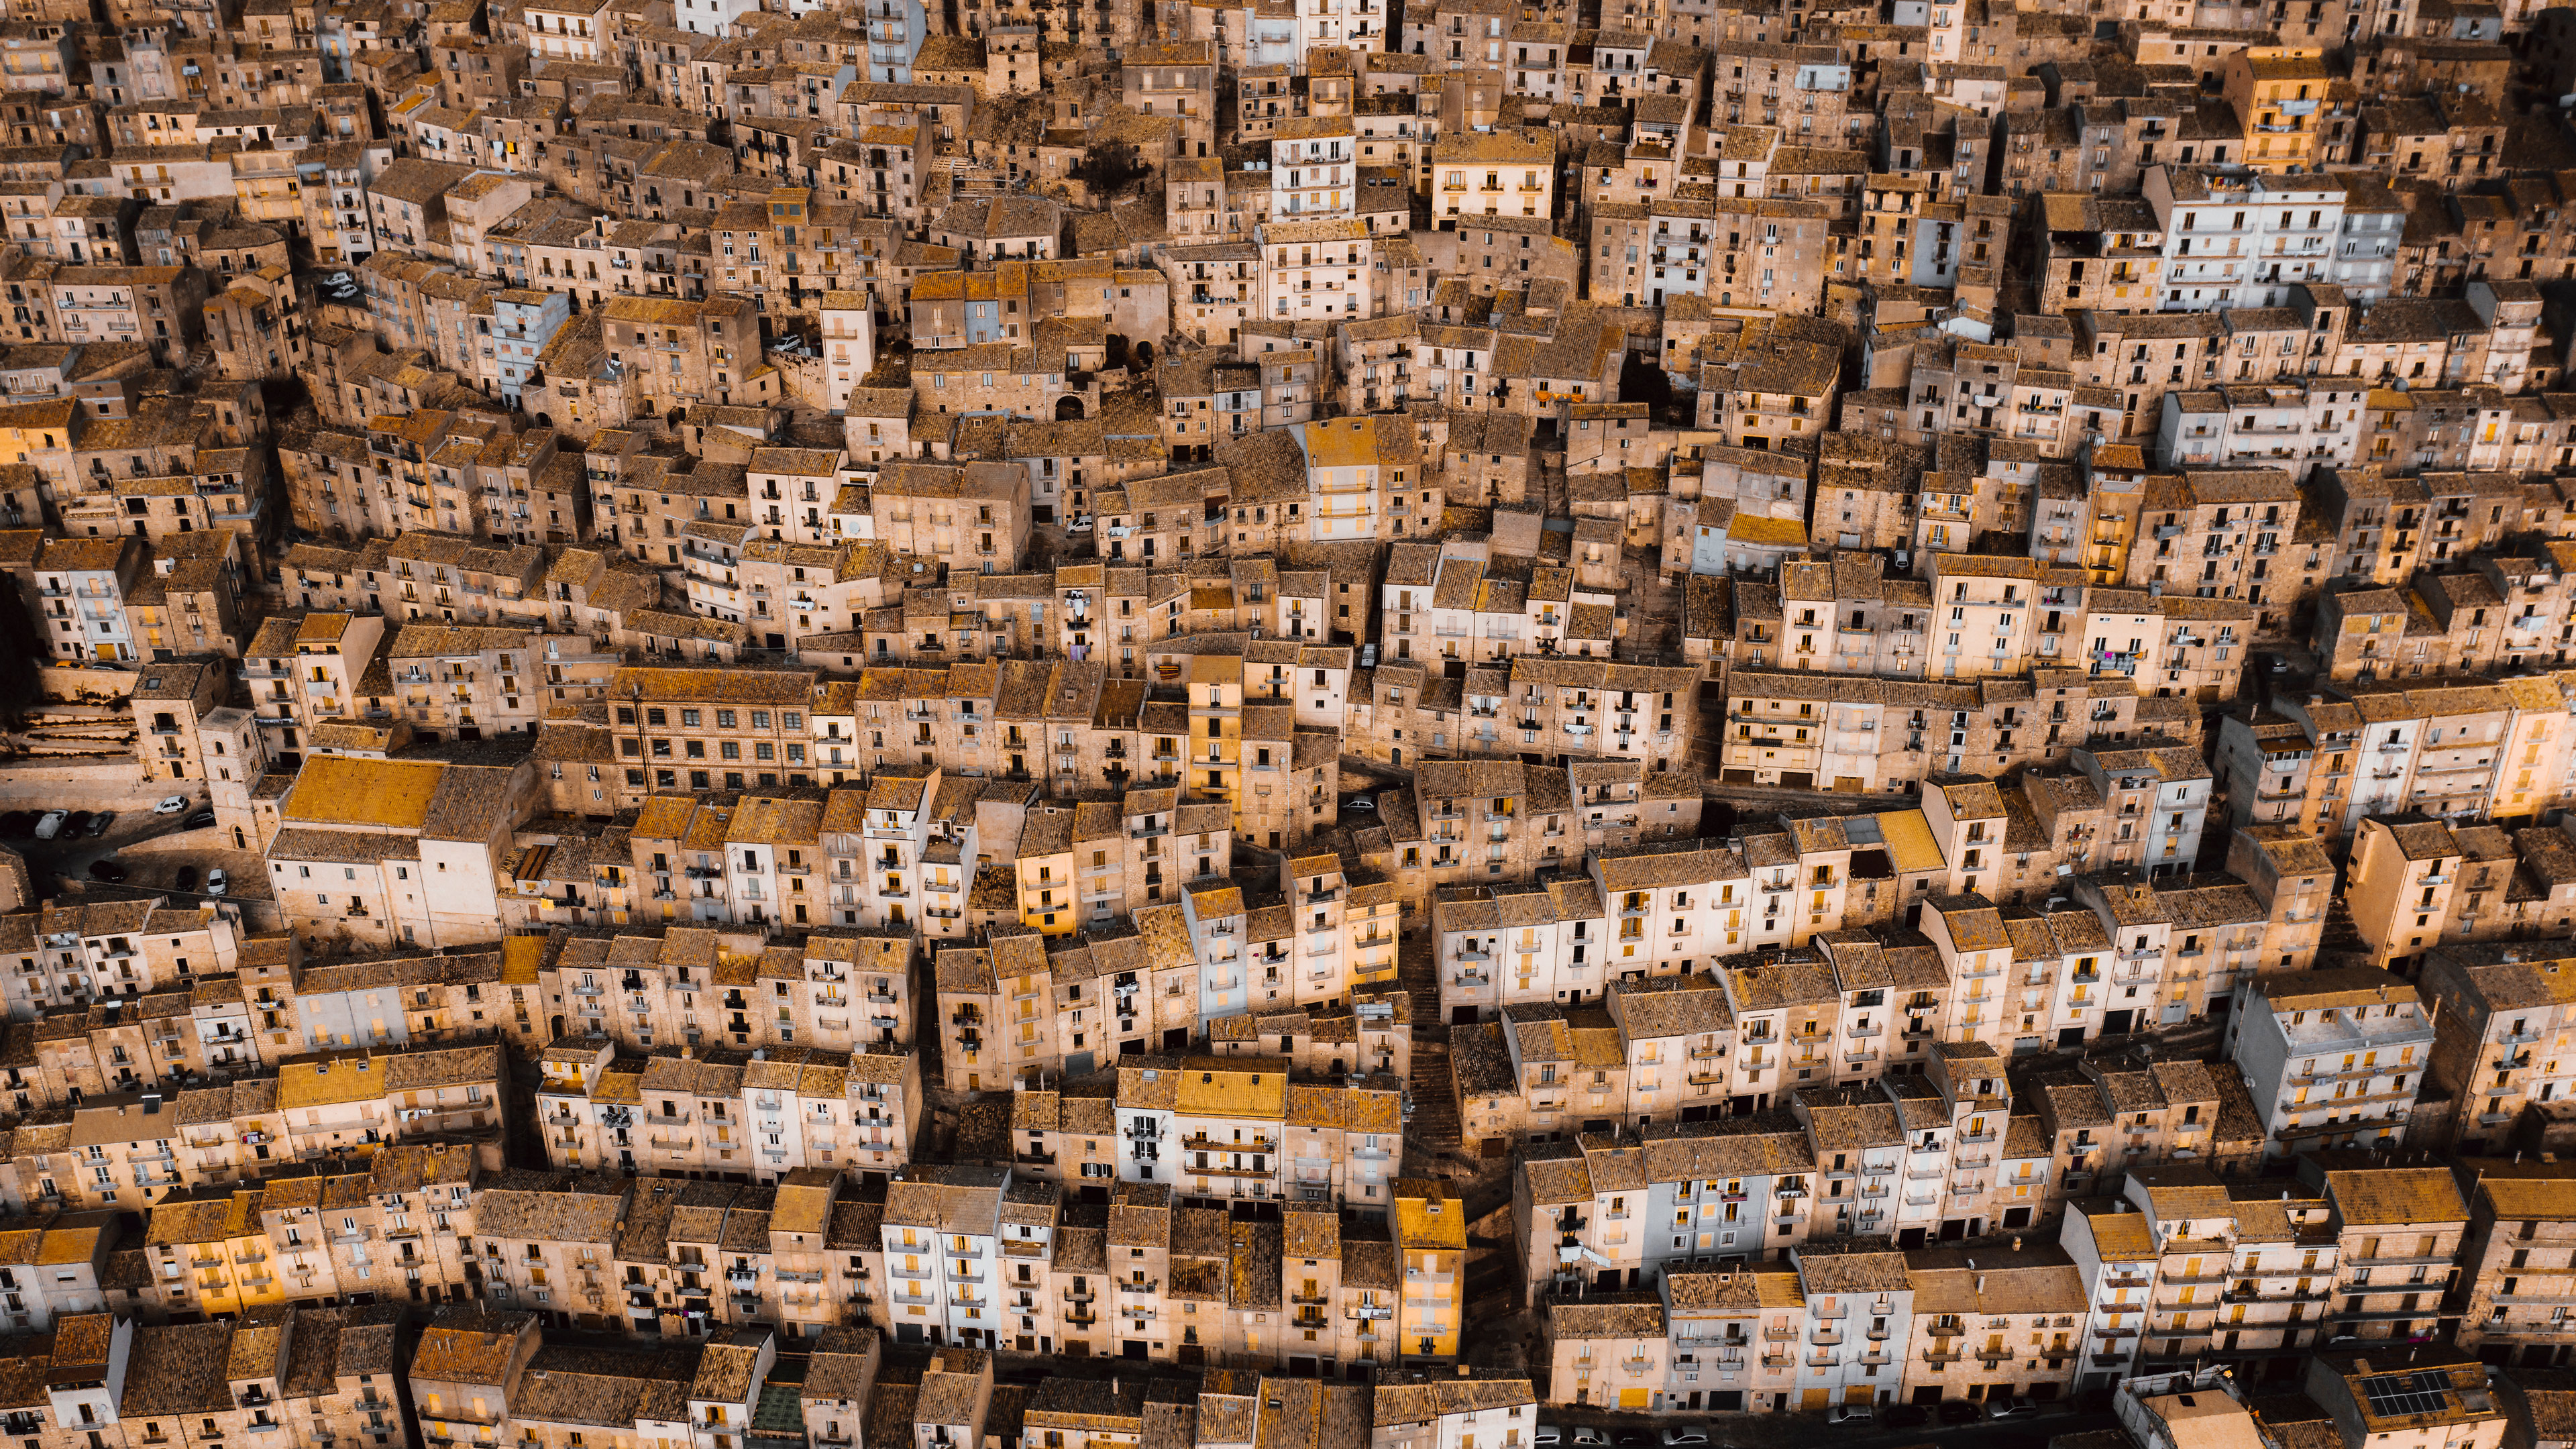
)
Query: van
[{"x": 52, "y": 824}]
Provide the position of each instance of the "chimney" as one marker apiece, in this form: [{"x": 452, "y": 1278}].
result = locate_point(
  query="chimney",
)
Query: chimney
[
  {"x": 1464, "y": 1371},
  {"x": 1981, "y": 1285}
]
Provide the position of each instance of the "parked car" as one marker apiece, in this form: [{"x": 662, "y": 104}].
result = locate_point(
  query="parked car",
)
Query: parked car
[
  {"x": 1547, "y": 1434},
  {"x": 1686, "y": 1434},
  {"x": 198, "y": 821},
  {"x": 1360, "y": 804},
  {"x": 17, "y": 825},
  {"x": 185, "y": 880},
  {"x": 1849, "y": 1414},
  {"x": 1956, "y": 1411},
  {"x": 107, "y": 868},
  {"x": 1081, "y": 524},
  {"x": 74, "y": 824},
  {"x": 1588, "y": 1437},
  {"x": 51, "y": 825},
  {"x": 171, "y": 805},
  {"x": 215, "y": 882},
  {"x": 98, "y": 823},
  {"x": 1906, "y": 1416},
  {"x": 2010, "y": 1408},
  {"x": 1632, "y": 1439}
]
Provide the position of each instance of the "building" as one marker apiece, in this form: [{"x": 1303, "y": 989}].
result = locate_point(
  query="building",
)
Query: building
[{"x": 2331, "y": 1058}]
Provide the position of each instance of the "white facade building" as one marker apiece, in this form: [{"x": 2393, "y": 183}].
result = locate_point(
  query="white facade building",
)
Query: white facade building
[
  {"x": 2332, "y": 1058},
  {"x": 2241, "y": 239}
]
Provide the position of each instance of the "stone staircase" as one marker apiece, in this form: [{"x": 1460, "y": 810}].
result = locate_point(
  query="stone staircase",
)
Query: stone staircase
[
  {"x": 1417, "y": 970},
  {"x": 2340, "y": 943},
  {"x": 1434, "y": 1128},
  {"x": 1549, "y": 487}
]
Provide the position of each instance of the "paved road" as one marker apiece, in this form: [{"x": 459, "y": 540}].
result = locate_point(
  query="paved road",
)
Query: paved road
[
  {"x": 134, "y": 822},
  {"x": 1379, "y": 770},
  {"x": 1799, "y": 1430},
  {"x": 31, "y": 791},
  {"x": 1758, "y": 797}
]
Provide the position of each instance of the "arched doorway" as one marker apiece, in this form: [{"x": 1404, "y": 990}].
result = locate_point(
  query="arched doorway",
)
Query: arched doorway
[
  {"x": 1144, "y": 355},
  {"x": 1068, "y": 409}
]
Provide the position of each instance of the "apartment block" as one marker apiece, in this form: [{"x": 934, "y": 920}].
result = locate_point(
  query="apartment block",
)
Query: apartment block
[{"x": 2331, "y": 1058}]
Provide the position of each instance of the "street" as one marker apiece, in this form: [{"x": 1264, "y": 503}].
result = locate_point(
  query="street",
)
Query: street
[
  {"x": 26, "y": 786},
  {"x": 1646, "y": 1431},
  {"x": 71, "y": 856},
  {"x": 1758, "y": 799},
  {"x": 152, "y": 848},
  {"x": 1765, "y": 1431}
]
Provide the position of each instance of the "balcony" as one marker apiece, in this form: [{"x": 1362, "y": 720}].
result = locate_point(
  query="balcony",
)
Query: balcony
[{"x": 1197, "y": 1143}]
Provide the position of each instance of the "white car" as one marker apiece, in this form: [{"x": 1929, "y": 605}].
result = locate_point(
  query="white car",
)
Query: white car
[
  {"x": 215, "y": 882},
  {"x": 1848, "y": 1414},
  {"x": 1687, "y": 1434},
  {"x": 52, "y": 824},
  {"x": 171, "y": 806},
  {"x": 1547, "y": 1434},
  {"x": 1081, "y": 524}
]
